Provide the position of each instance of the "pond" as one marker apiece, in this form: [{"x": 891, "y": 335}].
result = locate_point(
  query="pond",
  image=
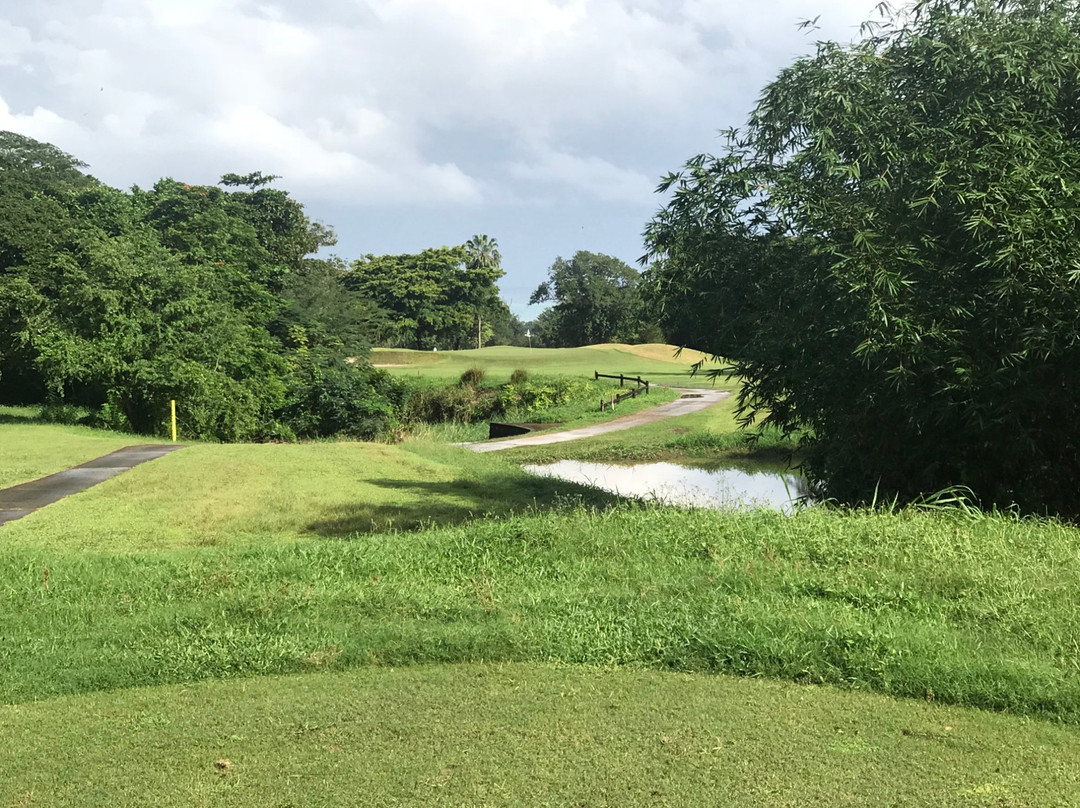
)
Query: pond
[{"x": 684, "y": 485}]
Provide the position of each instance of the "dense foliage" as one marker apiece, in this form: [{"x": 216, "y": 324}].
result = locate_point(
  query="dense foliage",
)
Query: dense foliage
[
  {"x": 120, "y": 302},
  {"x": 596, "y": 300},
  {"x": 439, "y": 298},
  {"x": 888, "y": 254}
]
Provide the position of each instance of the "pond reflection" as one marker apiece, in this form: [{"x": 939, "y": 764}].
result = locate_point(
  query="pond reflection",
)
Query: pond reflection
[{"x": 684, "y": 485}]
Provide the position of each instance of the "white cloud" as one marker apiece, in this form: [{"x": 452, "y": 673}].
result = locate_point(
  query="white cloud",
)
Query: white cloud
[
  {"x": 14, "y": 42},
  {"x": 593, "y": 176},
  {"x": 402, "y": 104}
]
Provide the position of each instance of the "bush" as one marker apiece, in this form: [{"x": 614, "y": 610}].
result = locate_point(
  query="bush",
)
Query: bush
[
  {"x": 519, "y": 376},
  {"x": 60, "y": 413},
  {"x": 461, "y": 404},
  {"x": 887, "y": 254},
  {"x": 336, "y": 398},
  {"x": 472, "y": 377}
]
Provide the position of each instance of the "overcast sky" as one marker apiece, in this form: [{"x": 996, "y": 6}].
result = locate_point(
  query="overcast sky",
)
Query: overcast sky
[{"x": 406, "y": 124}]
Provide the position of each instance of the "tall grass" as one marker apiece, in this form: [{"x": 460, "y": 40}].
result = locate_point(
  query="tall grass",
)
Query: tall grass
[{"x": 972, "y": 611}]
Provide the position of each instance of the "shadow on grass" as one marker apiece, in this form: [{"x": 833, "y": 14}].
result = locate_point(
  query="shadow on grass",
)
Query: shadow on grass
[
  {"x": 451, "y": 502},
  {"x": 18, "y": 418}
]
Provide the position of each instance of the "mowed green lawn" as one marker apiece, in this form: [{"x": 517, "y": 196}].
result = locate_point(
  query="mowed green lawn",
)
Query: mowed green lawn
[
  {"x": 523, "y": 735},
  {"x": 654, "y": 362},
  {"x": 256, "y": 605}
]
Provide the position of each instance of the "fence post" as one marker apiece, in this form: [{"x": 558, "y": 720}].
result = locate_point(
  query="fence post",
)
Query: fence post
[{"x": 595, "y": 375}]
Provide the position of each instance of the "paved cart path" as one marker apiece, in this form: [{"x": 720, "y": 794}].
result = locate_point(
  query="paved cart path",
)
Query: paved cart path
[
  {"x": 19, "y": 500},
  {"x": 692, "y": 400}
]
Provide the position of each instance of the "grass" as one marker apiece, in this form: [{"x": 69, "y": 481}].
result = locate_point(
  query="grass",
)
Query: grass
[
  {"x": 233, "y": 495},
  {"x": 523, "y": 735},
  {"x": 656, "y": 363},
  {"x": 224, "y": 561},
  {"x": 707, "y": 437},
  {"x": 251, "y": 603},
  {"x": 31, "y": 449}
]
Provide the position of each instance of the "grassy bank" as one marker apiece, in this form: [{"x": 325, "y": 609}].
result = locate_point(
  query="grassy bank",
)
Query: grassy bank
[
  {"x": 708, "y": 437},
  {"x": 565, "y": 403},
  {"x": 523, "y": 735},
  {"x": 978, "y": 613}
]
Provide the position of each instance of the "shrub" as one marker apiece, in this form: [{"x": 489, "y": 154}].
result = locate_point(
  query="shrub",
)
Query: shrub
[
  {"x": 336, "y": 398},
  {"x": 462, "y": 404},
  {"x": 471, "y": 377}
]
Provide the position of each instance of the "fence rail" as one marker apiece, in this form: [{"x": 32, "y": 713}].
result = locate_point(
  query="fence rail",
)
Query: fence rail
[{"x": 642, "y": 385}]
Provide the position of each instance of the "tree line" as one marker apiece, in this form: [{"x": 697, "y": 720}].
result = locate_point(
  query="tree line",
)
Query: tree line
[{"x": 217, "y": 296}]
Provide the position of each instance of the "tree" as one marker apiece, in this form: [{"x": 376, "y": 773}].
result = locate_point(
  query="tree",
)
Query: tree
[
  {"x": 27, "y": 161},
  {"x": 121, "y": 302},
  {"x": 432, "y": 298},
  {"x": 888, "y": 255},
  {"x": 482, "y": 252},
  {"x": 596, "y": 300},
  {"x": 334, "y": 319}
]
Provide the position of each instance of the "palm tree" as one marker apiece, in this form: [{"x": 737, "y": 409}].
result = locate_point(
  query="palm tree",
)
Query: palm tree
[{"x": 482, "y": 251}]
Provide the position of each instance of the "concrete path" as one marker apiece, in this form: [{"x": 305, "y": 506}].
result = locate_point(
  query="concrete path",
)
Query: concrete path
[
  {"x": 19, "y": 500},
  {"x": 692, "y": 400}
]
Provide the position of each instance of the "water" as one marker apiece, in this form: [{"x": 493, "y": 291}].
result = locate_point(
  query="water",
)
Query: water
[{"x": 683, "y": 485}]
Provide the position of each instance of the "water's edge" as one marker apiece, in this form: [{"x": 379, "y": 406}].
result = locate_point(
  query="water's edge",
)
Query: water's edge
[{"x": 683, "y": 485}]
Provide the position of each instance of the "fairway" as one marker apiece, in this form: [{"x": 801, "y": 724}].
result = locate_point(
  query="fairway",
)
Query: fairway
[{"x": 655, "y": 363}]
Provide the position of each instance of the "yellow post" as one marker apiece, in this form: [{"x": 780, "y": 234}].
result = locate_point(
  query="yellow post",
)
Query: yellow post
[{"x": 173, "y": 405}]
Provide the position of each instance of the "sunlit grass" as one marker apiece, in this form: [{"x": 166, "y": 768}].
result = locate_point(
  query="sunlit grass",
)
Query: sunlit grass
[
  {"x": 657, "y": 363},
  {"x": 523, "y": 735},
  {"x": 230, "y": 495},
  {"x": 31, "y": 450},
  {"x": 978, "y": 612}
]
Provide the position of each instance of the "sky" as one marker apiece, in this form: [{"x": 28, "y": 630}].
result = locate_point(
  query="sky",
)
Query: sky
[{"x": 406, "y": 124}]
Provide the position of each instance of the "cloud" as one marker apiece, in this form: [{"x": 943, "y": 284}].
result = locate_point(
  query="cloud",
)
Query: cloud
[
  {"x": 377, "y": 98},
  {"x": 592, "y": 176},
  {"x": 411, "y": 111}
]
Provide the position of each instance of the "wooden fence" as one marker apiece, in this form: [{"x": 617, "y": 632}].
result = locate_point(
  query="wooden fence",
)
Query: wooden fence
[{"x": 642, "y": 385}]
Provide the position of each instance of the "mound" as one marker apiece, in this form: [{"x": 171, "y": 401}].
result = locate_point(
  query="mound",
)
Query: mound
[
  {"x": 402, "y": 357},
  {"x": 657, "y": 351}
]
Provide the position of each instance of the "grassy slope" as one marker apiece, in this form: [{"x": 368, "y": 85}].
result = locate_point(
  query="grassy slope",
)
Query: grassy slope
[
  {"x": 979, "y": 613},
  {"x": 239, "y": 495},
  {"x": 29, "y": 450},
  {"x": 524, "y": 736},
  {"x": 655, "y": 363}
]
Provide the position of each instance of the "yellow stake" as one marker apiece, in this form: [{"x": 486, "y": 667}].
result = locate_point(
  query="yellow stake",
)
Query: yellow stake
[{"x": 173, "y": 403}]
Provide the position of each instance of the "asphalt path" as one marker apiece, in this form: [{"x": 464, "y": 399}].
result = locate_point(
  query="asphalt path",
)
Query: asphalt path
[
  {"x": 20, "y": 500},
  {"x": 691, "y": 400}
]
